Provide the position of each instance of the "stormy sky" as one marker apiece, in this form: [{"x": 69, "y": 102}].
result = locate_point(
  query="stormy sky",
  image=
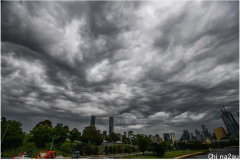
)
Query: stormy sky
[{"x": 155, "y": 67}]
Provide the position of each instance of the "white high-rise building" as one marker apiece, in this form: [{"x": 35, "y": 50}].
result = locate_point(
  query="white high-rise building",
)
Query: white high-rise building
[{"x": 173, "y": 137}]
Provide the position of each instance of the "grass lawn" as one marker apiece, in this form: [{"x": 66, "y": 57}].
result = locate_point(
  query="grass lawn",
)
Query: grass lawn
[
  {"x": 167, "y": 155},
  {"x": 191, "y": 152},
  {"x": 173, "y": 154}
]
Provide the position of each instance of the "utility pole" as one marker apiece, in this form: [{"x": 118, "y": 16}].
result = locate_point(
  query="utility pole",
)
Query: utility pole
[
  {"x": 52, "y": 144},
  {"x": 4, "y": 133}
]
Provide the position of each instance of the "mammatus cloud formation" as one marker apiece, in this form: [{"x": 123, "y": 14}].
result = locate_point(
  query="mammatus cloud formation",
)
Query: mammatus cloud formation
[{"x": 155, "y": 66}]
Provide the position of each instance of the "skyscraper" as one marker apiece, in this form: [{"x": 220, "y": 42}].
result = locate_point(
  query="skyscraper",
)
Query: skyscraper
[
  {"x": 203, "y": 135},
  {"x": 186, "y": 135},
  {"x": 157, "y": 138},
  {"x": 206, "y": 131},
  {"x": 198, "y": 135},
  {"x": 191, "y": 137},
  {"x": 219, "y": 132},
  {"x": 151, "y": 137},
  {"x": 92, "y": 121},
  {"x": 166, "y": 137},
  {"x": 125, "y": 134},
  {"x": 111, "y": 127},
  {"x": 173, "y": 137},
  {"x": 230, "y": 123}
]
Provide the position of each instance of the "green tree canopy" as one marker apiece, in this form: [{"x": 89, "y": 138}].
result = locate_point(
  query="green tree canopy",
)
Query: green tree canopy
[
  {"x": 143, "y": 142},
  {"x": 114, "y": 137},
  {"x": 91, "y": 135},
  {"x": 74, "y": 135},
  {"x": 44, "y": 123},
  {"x": 29, "y": 146},
  {"x": 66, "y": 147},
  {"x": 41, "y": 135},
  {"x": 159, "y": 149},
  {"x": 84, "y": 148},
  {"x": 60, "y": 134},
  {"x": 108, "y": 138},
  {"x": 14, "y": 135},
  {"x": 66, "y": 127},
  {"x": 167, "y": 145},
  {"x": 3, "y": 119}
]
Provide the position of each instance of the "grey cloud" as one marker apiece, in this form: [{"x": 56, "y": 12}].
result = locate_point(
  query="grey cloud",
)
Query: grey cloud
[{"x": 151, "y": 65}]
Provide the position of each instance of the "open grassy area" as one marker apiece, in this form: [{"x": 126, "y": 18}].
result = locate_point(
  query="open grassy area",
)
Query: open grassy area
[
  {"x": 167, "y": 155},
  {"x": 191, "y": 152},
  {"x": 173, "y": 154}
]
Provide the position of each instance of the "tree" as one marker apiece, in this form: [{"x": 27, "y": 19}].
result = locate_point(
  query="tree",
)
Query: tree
[
  {"x": 159, "y": 149},
  {"x": 29, "y": 147},
  {"x": 66, "y": 148},
  {"x": 125, "y": 140},
  {"x": 3, "y": 119},
  {"x": 114, "y": 137},
  {"x": 66, "y": 127},
  {"x": 74, "y": 135},
  {"x": 14, "y": 135},
  {"x": 197, "y": 145},
  {"x": 151, "y": 148},
  {"x": 182, "y": 145},
  {"x": 48, "y": 146},
  {"x": 109, "y": 139},
  {"x": 41, "y": 135},
  {"x": 92, "y": 136},
  {"x": 106, "y": 149},
  {"x": 95, "y": 150},
  {"x": 44, "y": 123},
  {"x": 60, "y": 134},
  {"x": 167, "y": 145},
  {"x": 84, "y": 148},
  {"x": 143, "y": 142}
]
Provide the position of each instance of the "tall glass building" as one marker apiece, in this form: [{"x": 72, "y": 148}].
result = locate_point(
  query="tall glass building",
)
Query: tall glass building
[
  {"x": 166, "y": 137},
  {"x": 173, "y": 137},
  {"x": 92, "y": 121},
  {"x": 186, "y": 135},
  {"x": 206, "y": 131},
  {"x": 230, "y": 123},
  {"x": 198, "y": 135},
  {"x": 111, "y": 127}
]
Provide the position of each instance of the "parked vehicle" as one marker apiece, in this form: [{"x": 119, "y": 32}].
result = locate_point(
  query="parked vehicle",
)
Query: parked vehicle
[
  {"x": 59, "y": 157},
  {"x": 22, "y": 156},
  {"x": 46, "y": 155},
  {"x": 76, "y": 156}
]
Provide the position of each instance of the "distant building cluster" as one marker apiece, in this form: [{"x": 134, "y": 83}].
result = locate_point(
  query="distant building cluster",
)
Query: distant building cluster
[
  {"x": 205, "y": 136},
  {"x": 219, "y": 134}
]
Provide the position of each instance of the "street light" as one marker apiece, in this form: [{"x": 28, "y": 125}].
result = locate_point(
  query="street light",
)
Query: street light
[
  {"x": 4, "y": 133},
  {"x": 52, "y": 143}
]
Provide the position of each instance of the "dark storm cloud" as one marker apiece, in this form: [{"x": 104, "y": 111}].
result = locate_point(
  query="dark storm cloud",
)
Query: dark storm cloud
[{"x": 151, "y": 65}]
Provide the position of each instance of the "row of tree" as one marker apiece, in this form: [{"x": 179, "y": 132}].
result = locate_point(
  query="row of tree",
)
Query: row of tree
[{"x": 44, "y": 133}]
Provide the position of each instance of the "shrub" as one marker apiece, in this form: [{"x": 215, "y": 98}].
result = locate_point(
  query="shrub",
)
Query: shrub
[{"x": 106, "y": 149}]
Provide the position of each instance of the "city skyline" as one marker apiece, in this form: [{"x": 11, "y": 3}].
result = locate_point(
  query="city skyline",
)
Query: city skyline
[{"x": 156, "y": 67}]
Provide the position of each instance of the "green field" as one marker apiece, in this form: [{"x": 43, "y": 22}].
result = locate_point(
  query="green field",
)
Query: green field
[{"x": 167, "y": 155}]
